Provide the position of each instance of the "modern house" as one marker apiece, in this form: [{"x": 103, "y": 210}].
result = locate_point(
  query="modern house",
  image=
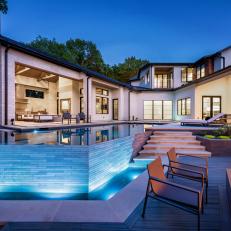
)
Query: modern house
[{"x": 38, "y": 87}]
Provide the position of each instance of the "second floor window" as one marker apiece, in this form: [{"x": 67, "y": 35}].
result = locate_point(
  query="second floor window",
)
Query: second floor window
[
  {"x": 163, "y": 80},
  {"x": 186, "y": 75},
  {"x": 200, "y": 71}
]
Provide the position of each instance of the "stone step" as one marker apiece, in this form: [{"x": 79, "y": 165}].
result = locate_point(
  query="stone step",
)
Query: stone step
[
  {"x": 156, "y": 152},
  {"x": 174, "y": 141},
  {"x": 168, "y": 146},
  {"x": 159, "y": 137},
  {"x": 167, "y": 133}
]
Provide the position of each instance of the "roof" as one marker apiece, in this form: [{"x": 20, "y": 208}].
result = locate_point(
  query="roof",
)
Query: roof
[{"x": 42, "y": 55}]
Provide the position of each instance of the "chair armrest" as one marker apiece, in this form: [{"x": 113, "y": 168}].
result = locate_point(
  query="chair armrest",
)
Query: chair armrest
[
  {"x": 186, "y": 188},
  {"x": 186, "y": 170},
  {"x": 196, "y": 166},
  {"x": 198, "y": 157}
]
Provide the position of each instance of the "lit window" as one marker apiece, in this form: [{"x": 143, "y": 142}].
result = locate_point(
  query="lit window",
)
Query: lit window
[{"x": 184, "y": 106}]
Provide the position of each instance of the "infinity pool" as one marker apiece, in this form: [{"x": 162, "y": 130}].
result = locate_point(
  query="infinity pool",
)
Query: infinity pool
[
  {"x": 81, "y": 164},
  {"x": 73, "y": 136}
]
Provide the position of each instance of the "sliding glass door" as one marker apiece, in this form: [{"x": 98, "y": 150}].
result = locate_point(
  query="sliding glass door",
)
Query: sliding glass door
[
  {"x": 211, "y": 106},
  {"x": 158, "y": 110}
]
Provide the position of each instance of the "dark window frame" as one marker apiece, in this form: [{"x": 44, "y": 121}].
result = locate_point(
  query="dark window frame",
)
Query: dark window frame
[
  {"x": 180, "y": 113},
  {"x": 162, "y": 105},
  {"x": 200, "y": 67},
  {"x": 211, "y": 103},
  {"x": 102, "y": 105},
  {"x": 187, "y": 72},
  {"x": 161, "y": 76}
]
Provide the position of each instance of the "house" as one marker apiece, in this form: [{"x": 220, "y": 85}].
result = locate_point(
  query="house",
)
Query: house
[
  {"x": 175, "y": 91},
  {"x": 36, "y": 86}
]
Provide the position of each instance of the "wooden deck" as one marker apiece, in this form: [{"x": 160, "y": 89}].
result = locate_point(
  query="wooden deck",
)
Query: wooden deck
[{"x": 158, "y": 215}]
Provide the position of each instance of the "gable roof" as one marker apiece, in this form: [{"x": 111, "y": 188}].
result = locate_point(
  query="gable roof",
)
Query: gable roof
[{"x": 42, "y": 55}]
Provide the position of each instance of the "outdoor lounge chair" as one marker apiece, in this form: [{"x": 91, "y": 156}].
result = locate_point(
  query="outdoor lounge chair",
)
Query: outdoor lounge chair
[
  {"x": 201, "y": 122},
  {"x": 173, "y": 162},
  {"x": 161, "y": 188}
]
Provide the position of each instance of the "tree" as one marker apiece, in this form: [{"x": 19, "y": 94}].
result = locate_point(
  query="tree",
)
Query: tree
[
  {"x": 86, "y": 53},
  {"x": 129, "y": 68},
  {"x": 3, "y": 6},
  {"x": 76, "y": 51},
  {"x": 49, "y": 46}
]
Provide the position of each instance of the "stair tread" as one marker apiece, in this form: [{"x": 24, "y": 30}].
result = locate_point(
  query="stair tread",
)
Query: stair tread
[
  {"x": 146, "y": 153},
  {"x": 174, "y": 145},
  {"x": 173, "y": 140},
  {"x": 171, "y": 133}
]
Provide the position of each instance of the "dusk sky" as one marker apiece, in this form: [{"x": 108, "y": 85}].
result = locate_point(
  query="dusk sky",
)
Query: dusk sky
[{"x": 160, "y": 31}]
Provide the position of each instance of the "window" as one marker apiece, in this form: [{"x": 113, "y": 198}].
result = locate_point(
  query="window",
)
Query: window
[
  {"x": 158, "y": 109},
  {"x": 34, "y": 94},
  {"x": 186, "y": 75},
  {"x": 100, "y": 91},
  {"x": 211, "y": 106},
  {"x": 102, "y": 103},
  {"x": 163, "y": 80},
  {"x": 148, "y": 110},
  {"x": 81, "y": 91},
  {"x": 184, "y": 106},
  {"x": 200, "y": 71}
]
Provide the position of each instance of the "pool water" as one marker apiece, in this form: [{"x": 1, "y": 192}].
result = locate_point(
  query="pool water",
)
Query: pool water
[{"x": 73, "y": 136}]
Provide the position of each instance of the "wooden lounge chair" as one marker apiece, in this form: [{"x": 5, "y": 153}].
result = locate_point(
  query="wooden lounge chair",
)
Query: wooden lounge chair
[
  {"x": 201, "y": 122},
  {"x": 161, "y": 188},
  {"x": 174, "y": 162}
]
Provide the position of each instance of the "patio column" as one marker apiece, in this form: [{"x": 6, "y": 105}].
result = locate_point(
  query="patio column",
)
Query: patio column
[
  {"x": 10, "y": 91},
  {"x": 87, "y": 94}
]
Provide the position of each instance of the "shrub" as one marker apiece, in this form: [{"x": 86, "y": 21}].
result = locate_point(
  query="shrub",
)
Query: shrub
[
  {"x": 224, "y": 137},
  {"x": 209, "y": 136}
]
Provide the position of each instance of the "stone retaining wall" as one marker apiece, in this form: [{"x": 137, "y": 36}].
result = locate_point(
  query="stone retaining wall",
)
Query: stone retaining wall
[
  {"x": 217, "y": 147},
  {"x": 140, "y": 140}
]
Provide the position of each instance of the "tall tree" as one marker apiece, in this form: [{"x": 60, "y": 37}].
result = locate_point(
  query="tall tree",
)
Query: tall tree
[
  {"x": 49, "y": 46},
  {"x": 85, "y": 53},
  {"x": 3, "y": 6},
  {"x": 127, "y": 69}
]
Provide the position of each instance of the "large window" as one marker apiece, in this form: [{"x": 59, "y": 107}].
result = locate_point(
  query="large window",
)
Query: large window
[
  {"x": 200, "y": 71},
  {"x": 184, "y": 106},
  {"x": 186, "y": 75},
  {"x": 158, "y": 110},
  {"x": 211, "y": 106},
  {"x": 163, "y": 80},
  {"x": 102, "y": 103}
]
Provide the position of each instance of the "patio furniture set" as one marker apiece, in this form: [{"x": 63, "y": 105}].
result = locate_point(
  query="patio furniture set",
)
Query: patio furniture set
[{"x": 163, "y": 188}]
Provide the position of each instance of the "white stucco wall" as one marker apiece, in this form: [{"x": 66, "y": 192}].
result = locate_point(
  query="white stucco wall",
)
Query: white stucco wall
[
  {"x": 220, "y": 87},
  {"x": 227, "y": 55},
  {"x": 187, "y": 92},
  {"x": 177, "y": 77},
  {"x": 137, "y": 101}
]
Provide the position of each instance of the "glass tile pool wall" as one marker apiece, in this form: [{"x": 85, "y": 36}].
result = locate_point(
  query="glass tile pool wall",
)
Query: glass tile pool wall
[{"x": 57, "y": 164}]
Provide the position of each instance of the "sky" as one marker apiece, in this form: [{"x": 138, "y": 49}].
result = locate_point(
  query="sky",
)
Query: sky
[{"x": 157, "y": 30}]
